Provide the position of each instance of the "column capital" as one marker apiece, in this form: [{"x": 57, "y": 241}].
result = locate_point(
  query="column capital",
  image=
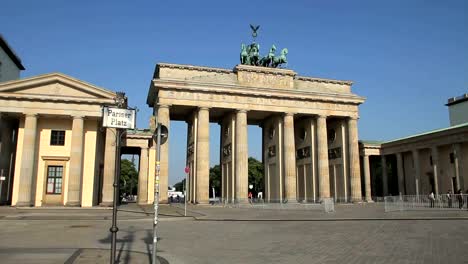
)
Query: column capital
[
  {"x": 78, "y": 116},
  {"x": 31, "y": 115},
  {"x": 289, "y": 114},
  {"x": 241, "y": 110},
  {"x": 164, "y": 106},
  {"x": 355, "y": 118},
  {"x": 321, "y": 116},
  {"x": 203, "y": 108}
]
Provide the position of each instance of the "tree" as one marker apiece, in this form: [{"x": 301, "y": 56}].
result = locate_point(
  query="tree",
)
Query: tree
[
  {"x": 256, "y": 174},
  {"x": 128, "y": 177},
  {"x": 180, "y": 186},
  {"x": 255, "y": 177},
  {"x": 215, "y": 179}
]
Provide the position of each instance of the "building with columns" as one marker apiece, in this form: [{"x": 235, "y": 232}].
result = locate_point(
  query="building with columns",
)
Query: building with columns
[
  {"x": 434, "y": 161},
  {"x": 53, "y": 148},
  {"x": 310, "y": 136}
]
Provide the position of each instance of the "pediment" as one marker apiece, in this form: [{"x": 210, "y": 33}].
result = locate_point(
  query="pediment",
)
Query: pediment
[{"x": 55, "y": 86}]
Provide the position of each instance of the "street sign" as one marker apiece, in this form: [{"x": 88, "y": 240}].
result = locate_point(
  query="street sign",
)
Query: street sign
[
  {"x": 187, "y": 169},
  {"x": 118, "y": 117},
  {"x": 164, "y": 134}
]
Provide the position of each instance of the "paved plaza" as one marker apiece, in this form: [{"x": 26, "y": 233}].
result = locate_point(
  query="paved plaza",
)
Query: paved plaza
[{"x": 353, "y": 234}]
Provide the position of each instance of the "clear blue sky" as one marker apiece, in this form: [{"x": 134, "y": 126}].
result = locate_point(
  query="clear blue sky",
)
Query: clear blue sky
[{"x": 406, "y": 57}]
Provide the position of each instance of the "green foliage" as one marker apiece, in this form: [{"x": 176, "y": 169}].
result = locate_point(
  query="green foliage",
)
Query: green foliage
[
  {"x": 215, "y": 179},
  {"x": 256, "y": 175},
  {"x": 180, "y": 186},
  {"x": 128, "y": 177}
]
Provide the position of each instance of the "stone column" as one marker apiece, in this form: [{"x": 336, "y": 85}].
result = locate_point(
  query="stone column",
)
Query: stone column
[
  {"x": 76, "y": 162},
  {"x": 289, "y": 149},
  {"x": 367, "y": 182},
  {"x": 25, "y": 191},
  {"x": 164, "y": 119},
  {"x": 323, "y": 171},
  {"x": 143, "y": 176},
  {"x": 355, "y": 174},
  {"x": 203, "y": 156},
  {"x": 241, "y": 157},
  {"x": 109, "y": 167},
  {"x": 417, "y": 169},
  {"x": 435, "y": 168},
  {"x": 384, "y": 175},
  {"x": 401, "y": 174},
  {"x": 456, "y": 148}
]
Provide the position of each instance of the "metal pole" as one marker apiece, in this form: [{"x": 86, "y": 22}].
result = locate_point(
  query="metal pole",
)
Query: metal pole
[
  {"x": 185, "y": 193},
  {"x": 156, "y": 191},
  {"x": 114, "y": 229}
]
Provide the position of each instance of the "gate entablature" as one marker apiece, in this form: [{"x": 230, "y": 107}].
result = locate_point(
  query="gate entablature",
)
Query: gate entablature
[{"x": 251, "y": 88}]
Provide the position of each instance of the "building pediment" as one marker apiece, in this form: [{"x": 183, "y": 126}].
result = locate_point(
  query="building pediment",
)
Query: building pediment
[{"x": 55, "y": 87}]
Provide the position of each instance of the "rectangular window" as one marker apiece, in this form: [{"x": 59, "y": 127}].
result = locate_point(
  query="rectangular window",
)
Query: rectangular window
[
  {"x": 54, "y": 179},
  {"x": 57, "y": 138},
  {"x": 452, "y": 158}
]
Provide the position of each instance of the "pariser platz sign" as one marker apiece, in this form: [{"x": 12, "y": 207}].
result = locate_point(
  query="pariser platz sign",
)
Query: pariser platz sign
[{"x": 118, "y": 117}]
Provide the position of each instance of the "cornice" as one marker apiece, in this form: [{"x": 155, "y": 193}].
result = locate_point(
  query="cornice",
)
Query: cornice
[
  {"x": 265, "y": 70},
  {"x": 313, "y": 79},
  {"x": 50, "y": 98},
  {"x": 193, "y": 68}
]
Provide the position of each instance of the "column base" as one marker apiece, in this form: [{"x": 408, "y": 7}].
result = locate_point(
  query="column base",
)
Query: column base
[
  {"x": 24, "y": 204},
  {"x": 106, "y": 204},
  {"x": 73, "y": 204},
  {"x": 369, "y": 200}
]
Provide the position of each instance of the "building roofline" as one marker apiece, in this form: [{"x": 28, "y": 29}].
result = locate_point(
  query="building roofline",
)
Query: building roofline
[
  {"x": 427, "y": 133},
  {"x": 458, "y": 99},
  {"x": 11, "y": 53}
]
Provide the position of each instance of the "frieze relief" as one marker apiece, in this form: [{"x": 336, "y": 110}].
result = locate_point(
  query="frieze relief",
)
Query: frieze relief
[
  {"x": 227, "y": 150},
  {"x": 303, "y": 153},
  {"x": 272, "y": 151}
]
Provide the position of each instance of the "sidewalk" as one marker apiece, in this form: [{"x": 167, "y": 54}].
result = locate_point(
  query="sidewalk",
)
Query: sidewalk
[
  {"x": 125, "y": 212},
  {"x": 175, "y": 212}
]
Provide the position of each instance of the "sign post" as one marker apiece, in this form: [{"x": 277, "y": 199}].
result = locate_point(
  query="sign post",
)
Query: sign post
[
  {"x": 121, "y": 118},
  {"x": 161, "y": 135},
  {"x": 187, "y": 171}
]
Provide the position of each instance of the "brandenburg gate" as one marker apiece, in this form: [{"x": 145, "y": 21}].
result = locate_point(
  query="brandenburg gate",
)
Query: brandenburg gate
[
  {"x": 310, "y": 140},
  {"x": 310, "y": 135}
]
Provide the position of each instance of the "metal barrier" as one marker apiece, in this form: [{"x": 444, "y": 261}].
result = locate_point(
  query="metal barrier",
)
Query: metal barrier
[
  {"x": 424, "y": 202},
  {"x": 327, "y": 204}
]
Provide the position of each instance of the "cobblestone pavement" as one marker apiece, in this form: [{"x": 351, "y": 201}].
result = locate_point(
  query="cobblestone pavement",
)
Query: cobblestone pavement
[{"x": 350, "y": 241}]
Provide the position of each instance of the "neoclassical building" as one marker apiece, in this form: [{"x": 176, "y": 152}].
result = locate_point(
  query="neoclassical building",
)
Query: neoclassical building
[
  {"x": 434, "y": 161},
  {"x": 53, "y": 148},
  {"x": 310, "y": 135}
]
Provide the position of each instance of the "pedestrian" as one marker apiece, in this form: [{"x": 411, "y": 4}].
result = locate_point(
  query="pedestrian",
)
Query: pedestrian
[
  {"x": 170, "y": 199},
  {"x": 449, "y": 198},
  {"x": 460, "y": 199},
  {"x": 250, "y": 197},
  {"x": 178, "y": 199},
  {"x": 431, "y": 199}
]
